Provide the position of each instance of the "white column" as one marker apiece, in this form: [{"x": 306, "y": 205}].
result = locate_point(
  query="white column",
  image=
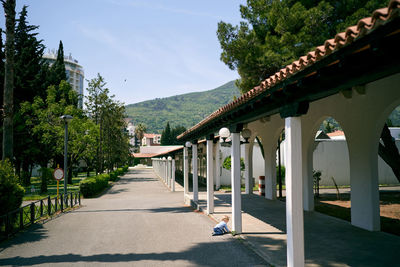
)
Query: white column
[
  {"x": 218, "y": 166},
  {"x": 165, "y": 170},
  {"x": 185, "y": 172},
  {"x": 210, "y": 176},
  {"x": 248, "y": 172},
  {"x": 308, "y": 180},
  {"x": 270, "y": 172},
  {"x": 169, "y": 176},
  {"x": 294, "y": 194},
  {"x": 173, "y": 175},
  {"x": 365, "y": 209},
  {"x": 235, "y": 181},
  {"x": 195, "y": 174}
]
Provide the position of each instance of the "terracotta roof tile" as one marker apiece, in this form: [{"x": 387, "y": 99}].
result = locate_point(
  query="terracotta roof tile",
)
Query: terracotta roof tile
[{"x": 363, "y": 27}]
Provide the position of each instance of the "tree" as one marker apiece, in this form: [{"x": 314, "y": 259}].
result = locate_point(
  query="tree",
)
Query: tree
[
  {"x": 57, "y": 70},
  {"x": 43, "y": 118},
  {"x": 2, "y": 70},
  {"x": 95, "y": 102},
  {"x": 275, "y": 33},
  {"x": 174, "y": 134},
  {"x": 166, "y": 138},
  {"x": 29, "y": 82},
  {"x": 9, "y": 10},
  {"x": 108, "y": 115},
  {"x": 140, "y": 130}
]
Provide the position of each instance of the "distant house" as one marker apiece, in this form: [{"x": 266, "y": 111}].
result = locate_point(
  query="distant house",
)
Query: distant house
[
  {"x": 337, "y": 135},
  {"x": 151, "y": 139},
  {"x": 131, "y": 131}
]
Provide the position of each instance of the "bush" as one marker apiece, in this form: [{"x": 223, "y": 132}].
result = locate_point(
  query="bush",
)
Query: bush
[
  {"x": 227, "y": 163},
  {"x": 94, "y": 185},
  {"x": 125, "y": 168},
  {"x": 113, "y": 176},
  {"x": 11, "y": 193},
  {"x": 282, "y": 174},
  {"x": 120, "y": 171},
  {"x": 136, "y": 161}
]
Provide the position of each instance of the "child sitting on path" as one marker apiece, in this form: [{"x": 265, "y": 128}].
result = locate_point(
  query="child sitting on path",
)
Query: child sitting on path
[{"x": 222, "y": 227}]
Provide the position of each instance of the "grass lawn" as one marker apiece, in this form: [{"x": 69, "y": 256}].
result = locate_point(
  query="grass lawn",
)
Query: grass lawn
[
  {"x": 51, "y": 187},
  {"x": 389, "y": 208}
]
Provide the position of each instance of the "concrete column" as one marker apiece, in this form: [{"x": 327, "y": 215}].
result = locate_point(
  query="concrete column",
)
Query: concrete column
[
  {"x": 308, "y": 181},
  {"x": 169, "y": 176},
  {"x": 248, "y": 171},
  {"x": 165, "y": 170},
  {"x": 173, "y": 176},
  {"x": 210, "y": 176},
  {"x": 218, "y": 165},
  {"x": 195, "y": 174},
  {"x": 294, "y": 194},
  {"x": 365, "y": 210},
  {"x": 235, "y": 182},
  {"x": 270, "y": 168},
  {"x": 185, "y": 172}
]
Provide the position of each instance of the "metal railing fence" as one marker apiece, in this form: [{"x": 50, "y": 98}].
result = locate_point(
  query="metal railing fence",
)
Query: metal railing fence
[{"x": 18, "y": 219}]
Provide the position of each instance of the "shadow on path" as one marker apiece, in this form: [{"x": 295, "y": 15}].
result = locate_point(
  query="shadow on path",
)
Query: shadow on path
[
  {"x": 328, "y": 241},
  {"x": 155, "y": 210},
  {"x": 195, "y": 255},
  {"x": 33, "y": 233}
]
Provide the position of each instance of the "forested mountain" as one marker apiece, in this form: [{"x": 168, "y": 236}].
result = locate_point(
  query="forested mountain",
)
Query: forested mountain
[{"x": 186, "y": 110}]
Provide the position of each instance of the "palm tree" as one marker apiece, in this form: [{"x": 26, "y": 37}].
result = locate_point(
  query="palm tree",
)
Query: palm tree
[{"x": 140, "y": 130}]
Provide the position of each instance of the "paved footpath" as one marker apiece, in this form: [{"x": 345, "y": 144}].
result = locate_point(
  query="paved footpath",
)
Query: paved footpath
[{"x": 138, "y": 222}]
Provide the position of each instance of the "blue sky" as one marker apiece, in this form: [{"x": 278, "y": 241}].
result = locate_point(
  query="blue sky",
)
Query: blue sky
[{"x": 161, "y": 48}]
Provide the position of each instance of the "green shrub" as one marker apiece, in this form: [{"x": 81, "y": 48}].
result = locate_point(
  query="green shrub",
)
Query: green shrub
[
  {"x": 120, "y": 171},
  {"x": 113, "y": 176},
  {"x": 11, "y": 193},
  {"x": 94, "y": 185},
  {"x": 227, "y": 163},
  {"x": 282, "y": 174},
  {"x": 125, "y": 168},
  {"x": 136, "y": 161}
]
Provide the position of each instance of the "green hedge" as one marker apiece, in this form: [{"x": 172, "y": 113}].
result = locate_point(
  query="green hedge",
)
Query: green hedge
[
  {"x": 113, "y": 176},
  {"x": 125, "y": 168},
  {"x": 93, "y": 185}
]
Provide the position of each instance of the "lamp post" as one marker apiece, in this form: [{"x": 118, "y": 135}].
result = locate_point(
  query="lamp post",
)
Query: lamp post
[{"x": 66, "y": 119}]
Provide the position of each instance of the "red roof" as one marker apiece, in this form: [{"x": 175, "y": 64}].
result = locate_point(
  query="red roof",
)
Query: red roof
[
  {"x": 147, "y": 135},
  {"x": 144, "y": 155},
  {"x": 336, "y": 133},
  {"x": 363, "y": 27}
]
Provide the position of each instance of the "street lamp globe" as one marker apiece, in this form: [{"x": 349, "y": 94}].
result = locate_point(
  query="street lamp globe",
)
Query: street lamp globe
[
  {"x": 246, "y": 133},
  {"x": 66, "y": 118},
  {"x": 188, "y": 144},
  {"x": 224, "y": 133},
  {"x": 169, "y": 158}
]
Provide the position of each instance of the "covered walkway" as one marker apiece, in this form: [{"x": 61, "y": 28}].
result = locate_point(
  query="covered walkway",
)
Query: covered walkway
[
  {"x": 328, "y": 241},
  {"x": 353, "y": 78}
]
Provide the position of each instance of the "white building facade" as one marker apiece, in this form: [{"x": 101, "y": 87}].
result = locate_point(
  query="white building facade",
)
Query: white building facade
[{"x": 74, "y": 72}]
